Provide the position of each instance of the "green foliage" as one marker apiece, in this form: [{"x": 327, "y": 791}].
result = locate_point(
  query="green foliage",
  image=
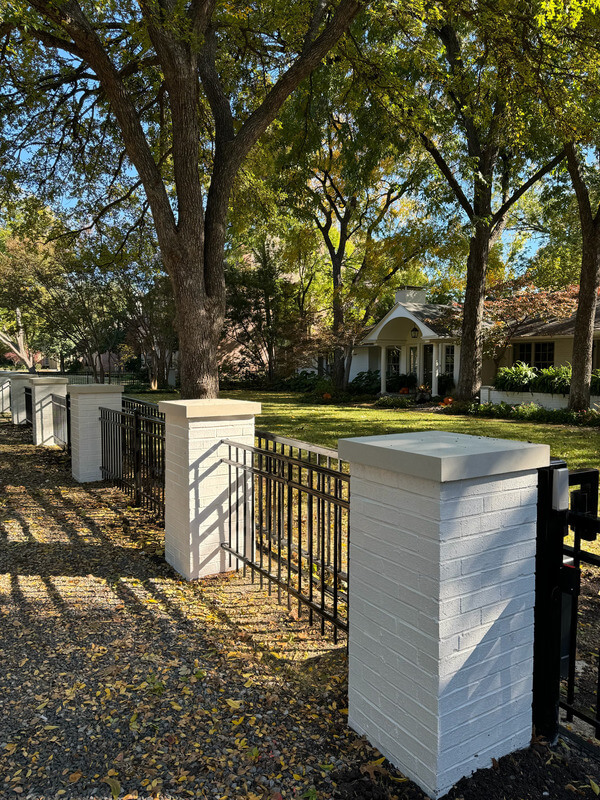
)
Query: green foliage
[
  {"x": 401, "y": 381},
  {"x": 390, "y": 401},
  {"x": 445, "y": 384},
  {"x": 529, "y": 412},
  {"x": 303, "y": 381},
  {"x": 551, "y": 380},
  {"x": 368, "y": 382},
  {"x": 517, "y": 378}
]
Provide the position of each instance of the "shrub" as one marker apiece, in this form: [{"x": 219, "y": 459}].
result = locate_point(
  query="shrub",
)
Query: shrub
[
  {"x": 445, "y": 384},
  {"x": 388, "y": 401},
  {"x": 517, "y": 378},
  {"x": 554, "y": 380},
  {"x": 526, "y": 411},
  {"x": 401, "y": 381},
  {"x": 368, "y": 382},
  {"x": 303, "y": 381}
]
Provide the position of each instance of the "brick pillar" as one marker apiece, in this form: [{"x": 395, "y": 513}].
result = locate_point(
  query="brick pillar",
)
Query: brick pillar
[
  {"x": 5, "y": 376},
  {"x": 18, "y": 382},
  {"x": 43, "y": 416},
  {"x": 442, "y": 560},
  {"x": 197, "y": 484},
  {"x": 86, "y": 441}
]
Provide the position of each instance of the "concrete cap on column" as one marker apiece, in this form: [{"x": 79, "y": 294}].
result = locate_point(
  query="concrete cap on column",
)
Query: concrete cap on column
[
  {"x": 215, "y": 408},
  {"x": 47, "y": 379},
  {"x": 94, "y": 388},
  {"x": 22, "y": 376},
  {"x": 444, "y": 456}
]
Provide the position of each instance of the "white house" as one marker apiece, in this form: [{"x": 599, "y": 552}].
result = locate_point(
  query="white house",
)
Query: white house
[{"x": 408, "y": 340}]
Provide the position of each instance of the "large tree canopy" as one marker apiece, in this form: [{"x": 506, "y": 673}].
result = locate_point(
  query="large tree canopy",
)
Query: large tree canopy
[{"x": 163, "y": 98}]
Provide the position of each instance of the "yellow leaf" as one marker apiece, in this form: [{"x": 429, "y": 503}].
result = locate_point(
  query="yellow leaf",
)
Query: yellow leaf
[
  {"x": 234, "y": 704},
  {"x": 10, "y": 748},
  {"x": 377, "y": 763},
  {"x": 74, "y": 777},
  {"x": 297, "y": 777},
  {"x": 176, "y": 706},
  {"x": 595, "y": 787},
  {"x": 397, "y": 780}
]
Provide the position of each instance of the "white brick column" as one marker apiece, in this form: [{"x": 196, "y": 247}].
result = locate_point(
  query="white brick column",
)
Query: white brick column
[
  {"x": 197, "y": 485},
  {"x": 42, "y": 390},
  {"x": 5, "y": 376},
  {"x": 86, "y": 441},
  {"x": 442, "y": 560},
  {"x": 18, "y": 382}
]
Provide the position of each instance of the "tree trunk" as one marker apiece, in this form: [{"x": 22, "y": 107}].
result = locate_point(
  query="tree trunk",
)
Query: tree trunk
[
  {"x": 199, "y": 323},
  {"x": 583, "y": 339},
  {"x": 338, "y": 367},
  {"x": 471, "y": 351}
]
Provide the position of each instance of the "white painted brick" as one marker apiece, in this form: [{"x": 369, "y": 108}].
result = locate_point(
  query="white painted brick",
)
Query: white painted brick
[{"x": 441, "y": 629}]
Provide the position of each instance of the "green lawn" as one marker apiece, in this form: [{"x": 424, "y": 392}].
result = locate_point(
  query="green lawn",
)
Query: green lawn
[{"x": 284, "y": 414}]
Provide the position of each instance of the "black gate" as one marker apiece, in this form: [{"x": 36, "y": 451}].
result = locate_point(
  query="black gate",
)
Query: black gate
[
  {"x": 133, "y": 452},
  {"x": 28, "y": 405},
  {"x": 289, "y": 520},
  {"x": 567, "y": 507},
  {"x": 61, "y": 421}
]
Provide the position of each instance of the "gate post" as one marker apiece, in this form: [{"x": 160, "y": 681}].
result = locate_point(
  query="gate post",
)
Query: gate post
[
  {"x": 551, "y": 530},
  {"x": 5, "y": 376},
  {"x": 441, "y": 604},
  {"x": 42, "y": 390},
  {"x": 18, "y": 382},
  {"x": 197, "y": 484},
  {"x": 86, "y": 435}
]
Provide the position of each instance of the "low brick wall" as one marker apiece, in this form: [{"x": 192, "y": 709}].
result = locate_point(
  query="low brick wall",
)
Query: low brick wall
[{"x": 490, "y": 395}]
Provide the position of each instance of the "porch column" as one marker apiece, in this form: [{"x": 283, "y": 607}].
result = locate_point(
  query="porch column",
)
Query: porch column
[
  {"x": 442, "y": 587},
  {"x": 18, "y": 382},
  {"x": 383, "y": 368},
  {"x": 42, "y": 390},
  {"x": 86, "y": 434},
  {"x": 198, "y": 486},
  {"x": 435, "y": 367},
  {"x": 456, "y": 363}
]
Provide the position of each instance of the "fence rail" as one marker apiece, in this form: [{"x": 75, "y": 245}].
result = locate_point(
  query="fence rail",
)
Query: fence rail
[
  {"x": 288, "y": 522},
  {"x": 133, "y": 452},
  {"x": 61, "y": 421}
]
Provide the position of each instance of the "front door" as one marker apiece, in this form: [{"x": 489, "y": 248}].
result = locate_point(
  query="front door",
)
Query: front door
[{"x": 427, "y": 364}]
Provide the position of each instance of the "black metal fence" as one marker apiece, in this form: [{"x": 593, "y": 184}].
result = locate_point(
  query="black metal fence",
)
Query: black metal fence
[
  {"x": 61, "y": 421},
  {"x": 567, "y": 633},
  {"x": 28, "y": 405},
  {"x": 288, "y": 522},
  {"x": 133, "y": 452}
]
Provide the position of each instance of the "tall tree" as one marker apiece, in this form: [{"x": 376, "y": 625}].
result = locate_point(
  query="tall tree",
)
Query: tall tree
[
  {"x": 358, "y": 186},
  {"x": 439, "y": 79},
  {"x": 178, "y": 93}
]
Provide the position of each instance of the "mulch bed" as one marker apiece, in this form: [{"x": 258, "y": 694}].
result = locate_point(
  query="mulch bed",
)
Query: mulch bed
[{"x": 119, "y": 680}]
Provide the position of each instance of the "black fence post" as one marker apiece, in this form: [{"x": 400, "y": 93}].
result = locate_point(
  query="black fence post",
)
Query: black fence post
[{"x": 551, "y": 530}]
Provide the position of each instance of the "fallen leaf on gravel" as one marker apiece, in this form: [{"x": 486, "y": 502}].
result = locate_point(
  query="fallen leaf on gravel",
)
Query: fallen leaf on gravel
[
  {"x": 115, "y": 786},
  {"x": 235, "y": 704},
  {"x": 74, "y": 777},
  {"x": 595, "y": 787}
]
